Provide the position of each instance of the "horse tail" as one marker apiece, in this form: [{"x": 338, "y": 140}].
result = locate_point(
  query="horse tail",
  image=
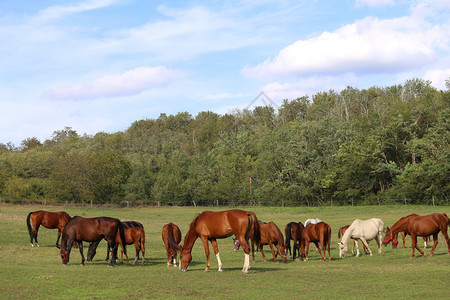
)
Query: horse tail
[
  {"x": 256, "y": 233},
  {"x": 30, "y": 229},
  {"x": 339, "y": 233},
  {"x": 448, "y": 219},
  {"x": 288, "y": 234},
  {"x": 122, "y": 236},
  {"x": 171, "y": 240}
]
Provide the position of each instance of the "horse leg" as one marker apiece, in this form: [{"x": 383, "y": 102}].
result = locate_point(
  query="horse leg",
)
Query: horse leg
[
  {"x": 357, "y": 248},
  {"x": 108, "y": 249},
  {"x": 57, "y": 240},
  {"x": 273, "y": 253},
  {"x": 404, "y": 239},
  {"x": 355, "y": 243},
  {"x": 141, "y": 244},
  {"x": 80, "y": 246},
  {"x": 205, "y": 244},
  {"x": 435, "y": 238},
  {"x": 216, "y": 251},
  {"x": 262, "y": 252},
  {"x": 307, "y": 251},
  {"x": 138, "y": 249},
  {"x": 35, "y": 234},
  {"x": 69, "y": 248},
  {"x": 364, "y": 241}
]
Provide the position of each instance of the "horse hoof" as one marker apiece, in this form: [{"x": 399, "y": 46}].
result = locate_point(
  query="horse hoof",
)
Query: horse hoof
[
  {"x": 207, "y": 270},
  {"x": 244, "y": 272},
  {"x": 37, "y": 245},
  {"x": 82, "y": 265},
  {"x": 32, "y": 245},
  {"x": 64, "y": 265}
]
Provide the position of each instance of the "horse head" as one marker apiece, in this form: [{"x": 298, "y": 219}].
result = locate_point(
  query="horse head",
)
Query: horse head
[
  {"x": 236, "y": 244},
  {"x": 343, "y": 250},
  {"x": 185, "y": 258},
  {"x": 388, "y": 238},
  {"x": 283, "y": 253}
]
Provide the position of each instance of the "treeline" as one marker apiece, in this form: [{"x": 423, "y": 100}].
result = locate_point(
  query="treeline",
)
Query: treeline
[{"x": 352, "y": 147}]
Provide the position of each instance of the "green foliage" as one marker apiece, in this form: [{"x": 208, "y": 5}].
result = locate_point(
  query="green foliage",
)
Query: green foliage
[{"x": 352, "y": 147}]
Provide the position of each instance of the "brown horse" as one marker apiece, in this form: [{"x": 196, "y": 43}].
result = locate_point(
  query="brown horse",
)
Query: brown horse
[
  {"x": 209, "y": 226},
  {"x": 269, "y": 234},
  {"x": 293, "y": 231},
  {"x": 403, "y": 233},
  {"x": 341, "y": 232},
  {"x": 47, "y": 219},
  {"x": 415, "y": 226},
  {"x": 81, "y": 229},
  {"x": 134, "y": 234},
  {"x": 171, "y": 236},
  {"x": 316, "y": 233}
]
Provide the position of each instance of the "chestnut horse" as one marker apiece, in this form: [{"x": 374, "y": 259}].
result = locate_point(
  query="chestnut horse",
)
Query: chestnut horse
[
  {"x": 209, "y": 226},
  {"x": 293, "y": 231},
  {"x": 419, "y": 226},
  {"x": 403, "y": 233},
  {"x": 81, "y": 229},
  {"x": 134, "y": 234},
  {"x": 171, "y": 235},
  {"x": 316, "y": 233},
  {"x": 363, "y": 230},
  {"x": 47, "y": 219},
  {"x": 269, "y": 234}
]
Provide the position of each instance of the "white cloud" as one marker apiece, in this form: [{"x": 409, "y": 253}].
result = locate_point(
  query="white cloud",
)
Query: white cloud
[
  {"x": 375, "y": 3},
  {"x": 370, "y": 45},
  {"x": 60, "y": 11},
  {"x": 438, "y": 77},
  {"x": 129, "y": 83}
]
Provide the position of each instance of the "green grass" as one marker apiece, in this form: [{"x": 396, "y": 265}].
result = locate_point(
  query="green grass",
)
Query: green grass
[{"x": 27, "y": 272}]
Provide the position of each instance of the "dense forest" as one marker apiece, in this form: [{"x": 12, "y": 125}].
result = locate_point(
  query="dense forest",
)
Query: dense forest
[{"x": 370, "y": 146}]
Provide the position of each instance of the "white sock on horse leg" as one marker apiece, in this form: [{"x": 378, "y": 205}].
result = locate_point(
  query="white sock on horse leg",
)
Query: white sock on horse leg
[{"x": 219, "y": 262}]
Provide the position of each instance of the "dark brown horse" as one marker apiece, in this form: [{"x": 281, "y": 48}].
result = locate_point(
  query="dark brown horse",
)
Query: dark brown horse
[
  {"x": 316, "y": 233},
  {"x": 415, "y": 226},
  {"x": 134, "y": 234},
  {"x": 293, "y": 231},
  {"x": 209, "y": 226},
  {"x": 81, "y": 229},
  {"x": 171, "y": 236},
  {"x": 341, "y": 232},
  {"x": 47, "y": 219},
  {"x": 269, "y": 234}
]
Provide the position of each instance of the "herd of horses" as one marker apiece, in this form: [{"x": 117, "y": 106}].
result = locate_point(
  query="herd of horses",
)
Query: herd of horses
[{"x": 244, "y": 225}]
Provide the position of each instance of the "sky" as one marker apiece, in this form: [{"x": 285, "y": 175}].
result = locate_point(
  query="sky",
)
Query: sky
[{"x": 100, "y": 65}]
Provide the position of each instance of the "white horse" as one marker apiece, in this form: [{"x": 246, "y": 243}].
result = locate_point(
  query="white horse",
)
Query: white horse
[
  {"x": 364, "y": 230},
  {"x": 312, "y": 221}
]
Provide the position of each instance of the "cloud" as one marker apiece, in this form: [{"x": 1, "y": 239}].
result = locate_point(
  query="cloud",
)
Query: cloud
[
  {"x": 129, "y": 83},
  {"x": 369, "y": 45},
  {"x": 375, "y": 3},
  {"x": 60, "y": 11}
]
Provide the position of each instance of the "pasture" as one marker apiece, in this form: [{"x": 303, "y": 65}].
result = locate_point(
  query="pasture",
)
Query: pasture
[{"x": 28, "y": 272}]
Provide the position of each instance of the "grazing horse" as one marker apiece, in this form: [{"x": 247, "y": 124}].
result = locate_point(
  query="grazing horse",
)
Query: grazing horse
[
  {"x": 419, "y": 226},
  {"x": 403, "y": 233},
  {"x": 364, "y": 230},
  {"x": 134, "y": 234},
  {"x": 316, "y": 233},
  {"x": 270, "y": 235},
  {"x": 209, "y": 226},
  {"x": 293, "y": 231},
  {"x": 171, "y": 235},
  {"x": 81, "y": 229},
  {"x": 47, "y": 219},
  {"x": 312, "y": 221}
]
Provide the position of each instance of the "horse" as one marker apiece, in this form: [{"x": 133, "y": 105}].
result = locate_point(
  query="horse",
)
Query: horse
[
  {"x": 209, "y": 226},
  {"x": 293, "y": 231},
  {"x": 364, "y": 230},
  {"x": 269, "y": 234},
  {"x": 91, "y": 230},
  {"x": 419, "y": 226},
  {"x": 134, "y": 234},
  {"x": 312, "y": 221},
  {"x": 341, "y": 233},
  {"x": 403, "y": 233},
  {"x": 47, "y": 219},
  {"x": 171, "y": 235},
  {"x": 316, "y": 233}
]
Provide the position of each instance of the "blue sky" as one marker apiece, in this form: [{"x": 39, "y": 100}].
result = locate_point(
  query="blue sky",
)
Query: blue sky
[{"x": 99, "y": 65}]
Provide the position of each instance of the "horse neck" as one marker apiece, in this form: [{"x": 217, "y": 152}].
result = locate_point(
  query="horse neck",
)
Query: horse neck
[
  {"x": 399, "y": 226},
  {"x": 190, "y": 238},
  {"x": 347, "y": 234}
]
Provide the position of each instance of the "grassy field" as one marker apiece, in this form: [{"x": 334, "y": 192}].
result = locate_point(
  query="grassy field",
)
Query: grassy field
[{"x": 27, "y": 272}]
